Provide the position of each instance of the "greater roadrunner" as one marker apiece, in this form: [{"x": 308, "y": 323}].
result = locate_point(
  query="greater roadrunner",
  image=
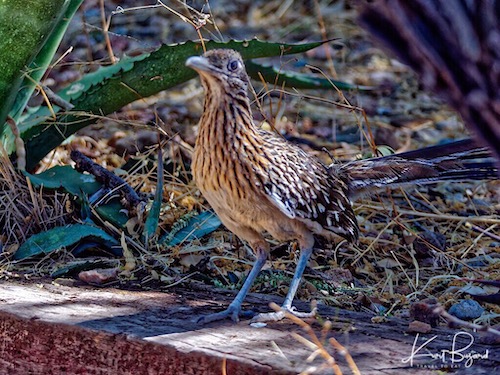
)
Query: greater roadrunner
[{"x": 258, "y": 182}]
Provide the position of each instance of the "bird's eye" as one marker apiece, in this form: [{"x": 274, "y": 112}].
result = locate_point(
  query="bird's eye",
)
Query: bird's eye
[{"x": 234, "y": 65}]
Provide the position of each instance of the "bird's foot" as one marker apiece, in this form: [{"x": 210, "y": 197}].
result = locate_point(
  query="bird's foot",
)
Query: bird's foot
[
  {"x": 233, "y": 311},
  {"x": 280, "y": 314}
]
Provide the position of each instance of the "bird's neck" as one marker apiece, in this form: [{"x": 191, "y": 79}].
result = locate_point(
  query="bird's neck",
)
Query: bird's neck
[{"x": 227, "y": 119}]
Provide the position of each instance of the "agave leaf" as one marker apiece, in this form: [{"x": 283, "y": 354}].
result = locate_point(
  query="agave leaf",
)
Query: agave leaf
[
  {"x": 154, "y": 213},
  {"x": 298, "y": 80},
  {"x": 56, "y": 238},
  {"x": 80, "y": 185},
  {"x": 25, "y": 25},
  {"x": 197, "y": 227},
  {"x": 110, "y": 88},
  {"x": 42, "y": 60},
  {"x": 113, "y": 212},
  {"x": 66, "y": 177}
]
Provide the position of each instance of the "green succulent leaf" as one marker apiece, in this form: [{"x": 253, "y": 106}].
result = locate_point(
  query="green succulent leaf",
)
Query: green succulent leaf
[
  {"x": 80, "y": 185},
  {"x": 298, "y": 80},
  {"x": 196, "y": 227},
  {"x": 113, "y": 212},
  {"x": 153, "y": 218},
  {"x": 26, "y": 27},
  {"x": 56, "y": 238},
  {"x": 39, "y": 65},
  {"x": 67, "y": 178}
]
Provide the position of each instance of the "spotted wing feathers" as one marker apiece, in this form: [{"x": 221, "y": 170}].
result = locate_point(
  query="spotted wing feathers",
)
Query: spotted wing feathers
[{"x": 303, "y": 188}]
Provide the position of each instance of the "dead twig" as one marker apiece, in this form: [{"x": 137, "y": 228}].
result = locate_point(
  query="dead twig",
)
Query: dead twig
[
  {"x": 453, "y": 319},
  {"x": 107, "y": 178},
  {"x": 318, "y": 344}
]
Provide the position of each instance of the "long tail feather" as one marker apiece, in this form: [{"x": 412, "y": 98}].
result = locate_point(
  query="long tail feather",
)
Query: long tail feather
[{"x": 456, "y": 161}]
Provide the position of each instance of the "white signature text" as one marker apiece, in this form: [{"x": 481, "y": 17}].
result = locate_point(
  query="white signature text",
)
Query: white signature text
[{"x": 458, "y": 353}]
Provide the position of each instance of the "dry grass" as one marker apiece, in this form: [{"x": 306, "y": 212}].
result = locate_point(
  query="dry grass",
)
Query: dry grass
[
  {"x": 320, "y": 346},
  {"x": 26, "y": 210}
]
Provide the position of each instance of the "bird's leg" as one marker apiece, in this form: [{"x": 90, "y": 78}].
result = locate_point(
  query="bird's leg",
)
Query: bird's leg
[
  {"x": 234, "y": 307},
  {"x": 305, "y": 254}
]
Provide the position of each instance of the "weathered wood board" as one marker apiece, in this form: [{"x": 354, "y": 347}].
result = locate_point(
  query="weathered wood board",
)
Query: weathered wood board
[{"x": 54, "y": 329}]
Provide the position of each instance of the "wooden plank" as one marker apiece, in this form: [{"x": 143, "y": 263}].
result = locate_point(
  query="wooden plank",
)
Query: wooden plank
[
  {"x": 37, "y": 347},
  {"x": 58, "y": 329}
]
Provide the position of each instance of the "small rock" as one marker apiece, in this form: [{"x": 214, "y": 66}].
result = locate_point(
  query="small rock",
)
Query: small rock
[
  {"x": 466, "y": 309},
  {"x": 479, "y": 261},
  {"x": 379, "y": 319},
  {"x": 419, "y": 327},
  {"x": 448, "y": 124},
  {"x": 379, "y": 78},
  {"x": 337, "y": 276},
  {"x": 423, "y": 311},
  {"x": 426, "y": 241},
  {"x": 98, "y": 276}
]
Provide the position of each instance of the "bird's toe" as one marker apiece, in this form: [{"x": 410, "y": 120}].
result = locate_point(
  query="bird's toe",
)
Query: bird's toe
[
  {"x": 232, "y": 312},
  {"x": 279, "y": 315}
]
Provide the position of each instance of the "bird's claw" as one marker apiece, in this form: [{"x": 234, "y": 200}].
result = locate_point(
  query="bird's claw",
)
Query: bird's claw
[
  {"x": 233, "y": 311},
  {"x": 279, "y": 315}
]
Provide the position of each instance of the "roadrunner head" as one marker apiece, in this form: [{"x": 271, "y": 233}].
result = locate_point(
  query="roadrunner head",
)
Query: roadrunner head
[{"x": 220, "y": 69}]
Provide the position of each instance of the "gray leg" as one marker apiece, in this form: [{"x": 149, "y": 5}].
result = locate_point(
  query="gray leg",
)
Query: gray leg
[
  {"x": 234, "y": 308},
  {"x": 294, "y": 285},
  {"x": 299, "y": 271}
]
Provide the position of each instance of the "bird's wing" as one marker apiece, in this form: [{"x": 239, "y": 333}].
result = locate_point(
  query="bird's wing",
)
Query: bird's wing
[{"x": 303, "y": 188}]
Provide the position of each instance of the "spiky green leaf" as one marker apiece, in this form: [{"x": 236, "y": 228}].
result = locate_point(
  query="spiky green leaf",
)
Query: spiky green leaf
[
  {"x": 25, "y": 25},
  {"x": 67, "y": 178},
  {"x": 197, "y": 227},
  {"x": 298, "y": 80},
  {"x": 39, "y": 65},
  {"x": 152, "y": 220},
  {"x": 59, "y": 237}
]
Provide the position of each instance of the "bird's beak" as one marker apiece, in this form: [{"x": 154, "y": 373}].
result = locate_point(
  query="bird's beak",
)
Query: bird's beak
[{"x": 199, "y": 63}]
